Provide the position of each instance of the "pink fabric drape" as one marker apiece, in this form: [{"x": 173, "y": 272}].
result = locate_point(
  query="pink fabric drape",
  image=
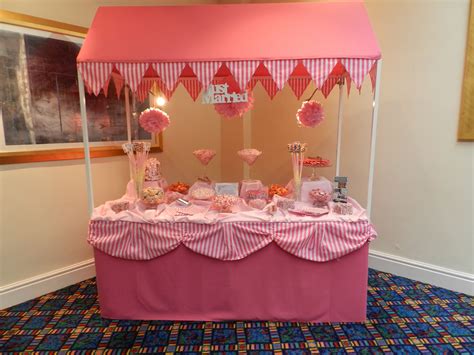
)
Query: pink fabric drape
[{"x": 315, "y": 241}]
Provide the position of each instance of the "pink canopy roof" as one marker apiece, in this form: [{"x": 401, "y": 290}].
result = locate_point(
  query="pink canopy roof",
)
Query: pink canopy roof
[{"x": 193, "y": 45}]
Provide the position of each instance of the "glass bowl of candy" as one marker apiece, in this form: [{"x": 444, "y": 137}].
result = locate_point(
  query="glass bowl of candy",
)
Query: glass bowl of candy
[{"x": 153, "y": 196}]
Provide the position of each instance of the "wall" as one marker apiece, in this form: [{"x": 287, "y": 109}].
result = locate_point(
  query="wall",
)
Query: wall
[
  {"x": 43, "y": 213},
  {"x": 423, "y": 188}
]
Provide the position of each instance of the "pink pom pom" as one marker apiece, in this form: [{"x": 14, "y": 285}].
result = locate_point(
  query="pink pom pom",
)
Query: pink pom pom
[
  {"x": 310, "y": 114},
  {"x": 154, "y": 120},
  {"x": 234, "y": 110}
]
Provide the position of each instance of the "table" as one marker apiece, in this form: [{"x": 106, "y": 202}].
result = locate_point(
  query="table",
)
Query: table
[{"x": 231, "y": 269}]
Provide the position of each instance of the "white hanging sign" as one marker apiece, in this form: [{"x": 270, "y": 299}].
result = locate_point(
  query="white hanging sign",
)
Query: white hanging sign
[{"x": 219, "y": 94}]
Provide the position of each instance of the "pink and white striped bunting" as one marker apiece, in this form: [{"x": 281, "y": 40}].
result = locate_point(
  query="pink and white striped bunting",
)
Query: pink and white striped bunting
[
  {"x": 118, "y": 84},
  {"x": 132, "y": 73},
  {"x": 243, "y": 71},
  {"x": 205, "y": 71},
  {"x": 143, "y": 89},
  {"x": 298, "y": 85},
  {"x": 95, "y": 75},
  {"x": 280, "y": 70},
  {"x": 329, "y": 85},
  {"x": 319, "y": 69},
  {"x": 192, "y": 86},
  {"x": 268, "y": 84},
  {"x": 169, "y": 72},
  {"x": 358, "y": 69}
]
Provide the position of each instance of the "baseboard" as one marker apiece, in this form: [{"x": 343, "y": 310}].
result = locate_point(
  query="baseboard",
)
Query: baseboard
[
  {"x": 39, "y": 285},
  {"x": 435, "y": 275}
]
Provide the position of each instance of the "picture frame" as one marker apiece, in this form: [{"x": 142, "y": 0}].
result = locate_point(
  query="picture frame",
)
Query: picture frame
[
  {"x": 466, "y": 115},
  {"x": 33, "y": 30},
  {"x": 227, "y": 188}
]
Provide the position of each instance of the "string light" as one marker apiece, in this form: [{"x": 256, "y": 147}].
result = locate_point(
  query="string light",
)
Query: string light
[{"x": 160, "y": 101}]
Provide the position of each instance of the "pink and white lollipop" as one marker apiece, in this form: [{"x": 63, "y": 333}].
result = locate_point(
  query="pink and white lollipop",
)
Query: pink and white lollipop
[{"x": 249, "y": 155}]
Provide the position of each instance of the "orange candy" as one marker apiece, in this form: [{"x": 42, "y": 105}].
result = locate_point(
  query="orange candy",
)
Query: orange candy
[{"x": 276, "y": 189}]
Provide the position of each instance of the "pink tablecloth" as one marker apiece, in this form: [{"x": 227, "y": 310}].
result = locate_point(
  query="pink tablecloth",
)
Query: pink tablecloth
[{"x": 267, "y": 285}]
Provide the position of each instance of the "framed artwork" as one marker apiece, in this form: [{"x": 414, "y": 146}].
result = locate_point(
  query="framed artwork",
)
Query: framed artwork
[
  {"x": 39, "y": 97},
  {"x": 466, "y": 116}
]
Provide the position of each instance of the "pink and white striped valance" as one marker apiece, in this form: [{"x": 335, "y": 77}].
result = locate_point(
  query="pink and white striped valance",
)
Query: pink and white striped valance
[
  {"x": 195, "y": 76},
  {"x": 315, "y": 241}
]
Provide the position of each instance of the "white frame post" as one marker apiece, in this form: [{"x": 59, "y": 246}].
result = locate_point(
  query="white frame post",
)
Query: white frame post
[
  {"x": 373, "y": 136},
  {"x": 85, "y": 139},
  {"x": 340, "y": 117}
]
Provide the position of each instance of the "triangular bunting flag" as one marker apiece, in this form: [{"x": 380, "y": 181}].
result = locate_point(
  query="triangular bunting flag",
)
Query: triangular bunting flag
[
  {"x": 143, "y": 89},
  {"x": 118, "y": 83},
  {"x": 205, "y": 71},
  {"x": 329, "y": 85},
  {"x": 192, "y": 86},
  {"x": 299, "y": 85},
  {"x": 348, "y": 81},
  {"x": 169, "y": 72},
  {"x": 270, "y": 86},
  {"x": 280, "y": 70},
  {"x": 132, "y": 73},
  {"x": 358, "y": 69},
  {"x": 243, "y": 71},
  {"x": 95, "y": 75},
  {"x": 373, "y": 75},
  {"x": 167, "y": 92},
  {"x": 319, "y": 69}
]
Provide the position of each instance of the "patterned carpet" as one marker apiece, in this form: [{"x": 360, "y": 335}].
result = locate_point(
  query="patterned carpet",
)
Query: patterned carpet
[{"x": 404, "y": 317}]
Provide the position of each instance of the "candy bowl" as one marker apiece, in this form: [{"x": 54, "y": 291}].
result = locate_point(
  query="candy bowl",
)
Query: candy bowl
[
  {"x": 203, "y": 193},
  {"x": 319, "y": 197},
  {"x": 258, "y": 203},
  {"x": 224, "y": 203},
  {"x": 180, "y": 187},
  {"x": 276, "y": 189},
  {"x": 153, "y": 196}
]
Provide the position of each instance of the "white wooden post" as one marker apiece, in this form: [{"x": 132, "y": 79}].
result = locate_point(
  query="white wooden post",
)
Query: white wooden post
[
  {"x": 339, "y": 128},
  {"x": 85, "y": 139},
  {"x": 373, "y": 136}
]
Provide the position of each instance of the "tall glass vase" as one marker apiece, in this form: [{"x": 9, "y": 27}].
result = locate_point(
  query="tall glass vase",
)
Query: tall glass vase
[
  {"x": 297, "y": 150},
  {"x": 137, "y": 153}
]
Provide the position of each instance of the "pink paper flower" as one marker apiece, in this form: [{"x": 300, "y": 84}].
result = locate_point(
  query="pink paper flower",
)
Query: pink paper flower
[
  {"x": 249, "y": 155},
  {"x": 310, "y": 114},
  {"x": 204, "y": 155},
  {"x": 234, "y": 110},
  {"x": 154, "y": 120}
]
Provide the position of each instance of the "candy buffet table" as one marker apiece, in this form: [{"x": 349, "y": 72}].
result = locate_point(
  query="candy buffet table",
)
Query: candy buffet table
[{"x": 154, "y": 264}]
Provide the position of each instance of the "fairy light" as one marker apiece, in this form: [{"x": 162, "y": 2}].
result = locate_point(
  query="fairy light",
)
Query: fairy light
[{"x": 160, "y": 101}]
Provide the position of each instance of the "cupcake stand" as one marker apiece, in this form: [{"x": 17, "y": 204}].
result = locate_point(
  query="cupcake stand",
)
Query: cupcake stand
[{"x": 249, "y": 264}]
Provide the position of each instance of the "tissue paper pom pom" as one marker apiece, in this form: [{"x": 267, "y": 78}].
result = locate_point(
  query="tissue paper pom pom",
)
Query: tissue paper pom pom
[
  {"x": 154, "y": 120},
  {"x": 310, "y": 114},
  {"x": 234, "y": 110},
  {"x": 204, "y": 155},
  {"x": 249, "y": 155}
]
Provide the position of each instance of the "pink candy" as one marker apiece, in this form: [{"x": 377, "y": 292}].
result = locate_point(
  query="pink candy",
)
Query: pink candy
[
  {"x": 319, "y": 197},
  {"x": 224, "y": 203},
  {"x": 204, "y": 155},
  {"x": 249, "y": 155}
]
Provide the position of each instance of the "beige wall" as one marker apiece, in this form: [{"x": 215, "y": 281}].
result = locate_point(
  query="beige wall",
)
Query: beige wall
[
  {"x": 43, "y": 212},
  {"x": 423, "y": 180}
]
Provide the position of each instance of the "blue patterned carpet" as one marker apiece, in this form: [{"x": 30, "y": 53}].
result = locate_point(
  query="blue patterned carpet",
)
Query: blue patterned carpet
[{"x": 404, "y": 317}]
